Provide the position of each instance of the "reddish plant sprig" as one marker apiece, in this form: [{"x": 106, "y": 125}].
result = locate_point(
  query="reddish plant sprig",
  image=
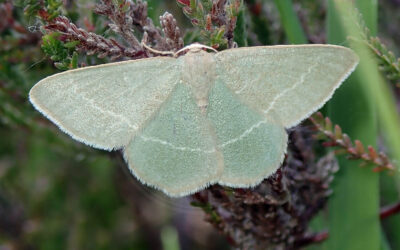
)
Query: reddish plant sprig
[
  {"x": 173, "y": 38},
  {"x": 312, "y": 239},
  {"x": 389, "y": 210},
  {"x": 91, "y": 43},
  {"x": 130, "y": 16},
  {"x": 336, "y": 138},
  {"x": 121, "y": 22},
  {"x": 126, "y": 17},
  {"x": 215, "y": 19}
]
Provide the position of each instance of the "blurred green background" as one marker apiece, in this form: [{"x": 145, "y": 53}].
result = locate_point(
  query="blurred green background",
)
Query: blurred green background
[{"x": 56, "y": 193}]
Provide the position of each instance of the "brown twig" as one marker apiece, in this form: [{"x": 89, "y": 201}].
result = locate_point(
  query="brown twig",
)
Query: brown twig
[
  {"x": 389, "y": 210},
  {"x": 125, "y": 18},
  {"x": 90, "y": 42},
  {"x": 122, "y": 23},
  {"x": 173, "y": 38},
  {"x": 131, "y": 16},
  {"x": 216, "y": 22},
  {"x": 312, "y": 239}
]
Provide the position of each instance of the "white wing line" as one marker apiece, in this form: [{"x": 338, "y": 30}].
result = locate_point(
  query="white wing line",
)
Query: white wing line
[
  {"x": 244, "y": 134},
  {"x": 246, "y": 84},
  {"x": 302, "y": 78},
  {"x": 153, "y": 139},
  {"x": 240, "y": 90},
  {"x": 108, "y": 112}
]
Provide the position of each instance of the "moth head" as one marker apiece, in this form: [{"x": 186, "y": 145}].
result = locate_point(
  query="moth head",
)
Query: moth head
[{"x": 195, "y": 48}]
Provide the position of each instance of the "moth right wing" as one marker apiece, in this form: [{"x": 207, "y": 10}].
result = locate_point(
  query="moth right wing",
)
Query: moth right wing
[
  {"x": 291, "y": 81},
  {"x": 104, "y": 106}
]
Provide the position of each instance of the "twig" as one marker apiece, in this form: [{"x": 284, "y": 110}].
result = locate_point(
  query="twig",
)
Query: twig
[
  {"x": 389, "y": 210},
  {"x": 130, "y": 15},
  {"x": 173, "y": 38},
  {"x": 122, "y": 23},
  {"x": 312, "y": 239},
  {"x": 336, "y": 138},
  {"x": 215, "y": 19},
  {"x": 90, "y": 42}
]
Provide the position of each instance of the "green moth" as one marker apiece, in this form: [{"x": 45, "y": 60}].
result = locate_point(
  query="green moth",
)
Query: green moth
[{"x": 184, "y": 123}]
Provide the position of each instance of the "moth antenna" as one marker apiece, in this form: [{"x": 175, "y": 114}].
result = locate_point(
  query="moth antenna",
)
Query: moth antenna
[{"x": 164, "y": 53}]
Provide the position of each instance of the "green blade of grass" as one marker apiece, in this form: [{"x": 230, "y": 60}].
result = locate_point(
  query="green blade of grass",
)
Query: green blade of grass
[
  {"x": 354, "y": 206},
  {"x": 240, "y": 32},
  {"x": 388, "y": 120},
  {"x": 290, "y": 22}
]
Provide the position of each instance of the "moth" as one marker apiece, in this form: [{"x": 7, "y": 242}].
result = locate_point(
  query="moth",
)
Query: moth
[{"x": 184, "y": 123}]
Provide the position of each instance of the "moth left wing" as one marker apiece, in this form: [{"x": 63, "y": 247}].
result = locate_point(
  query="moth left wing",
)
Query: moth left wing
[{"x": 105, "y": 105}]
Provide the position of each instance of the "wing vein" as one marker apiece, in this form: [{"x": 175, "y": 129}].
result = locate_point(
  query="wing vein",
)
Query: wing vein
[
  {"x": 244, "y": 134},
  {"x": 157, "y": 140},
  {"x": 242, "y": 88},
  {"x": 121, "y": 118},
  {"x": 301, "y": 81}
]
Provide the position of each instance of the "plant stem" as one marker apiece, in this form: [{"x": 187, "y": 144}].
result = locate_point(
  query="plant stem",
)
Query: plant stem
[{"x": 389, "y": 210}]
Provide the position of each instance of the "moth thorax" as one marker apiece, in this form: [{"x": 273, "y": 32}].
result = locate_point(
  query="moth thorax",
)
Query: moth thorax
[{"x": 199, "y": 74}]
